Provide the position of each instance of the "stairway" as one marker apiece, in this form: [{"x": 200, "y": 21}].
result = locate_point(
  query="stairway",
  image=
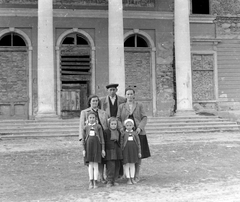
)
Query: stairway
[
  {"x": 190, "y": 124},
  {"x": 155, "y": 126}
]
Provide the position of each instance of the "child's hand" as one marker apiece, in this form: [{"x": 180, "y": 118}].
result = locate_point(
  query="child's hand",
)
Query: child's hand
[
  {"x": 103, "y": 153},
  {"x": 84, "y": 153},
  {"x": 140, "y": 155}
]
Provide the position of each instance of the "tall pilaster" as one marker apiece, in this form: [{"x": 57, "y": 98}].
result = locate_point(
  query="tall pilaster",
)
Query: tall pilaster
[
  {"x": 116, "y": 44},
  {"x": 46, "y": 100},
  {"x": 183, "y": 57}
]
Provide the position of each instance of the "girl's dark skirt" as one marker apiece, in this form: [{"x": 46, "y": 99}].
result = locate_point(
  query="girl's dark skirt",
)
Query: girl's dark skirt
[
  {"x": 130, "y": 153},
  {"x": 93, "y": 150},
  {"x": 144, "y": 146}
]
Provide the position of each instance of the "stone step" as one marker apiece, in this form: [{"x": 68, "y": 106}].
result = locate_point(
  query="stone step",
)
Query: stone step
[
  {"x": 156, "y": 129},
  {"x": 155, "y": 126},
  {"x": 206, "y": 130},
  {"x": 151, "y": 134},
  {"x": 159, "y": 129},
  {"x": 185, "y": 120},
  {"x": 42, "y": 122},
  {"x": 60, "y": 126},
  {"x": 75, "y": 122},
  {"x": 149, "y": 125}
]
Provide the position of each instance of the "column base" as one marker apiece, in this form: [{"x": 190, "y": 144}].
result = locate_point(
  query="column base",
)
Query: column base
[
  {"x": 46, "y": 116},
  {"x": 185, "y": 113}
]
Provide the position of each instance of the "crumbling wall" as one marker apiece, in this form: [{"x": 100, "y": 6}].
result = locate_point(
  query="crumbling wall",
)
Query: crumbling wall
[
  {"x": 165, "y": 76},
  {"x": 225, "y": 7}
]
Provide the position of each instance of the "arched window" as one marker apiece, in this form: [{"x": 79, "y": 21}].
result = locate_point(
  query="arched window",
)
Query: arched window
[
  {"x": 12, "y": 39},
  {"x": 135, "y": 41},
  {"x": 75, "y": 39}
]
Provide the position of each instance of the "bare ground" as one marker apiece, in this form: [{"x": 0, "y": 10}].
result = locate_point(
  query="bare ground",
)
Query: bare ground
[{"x": 183, "y": 168}]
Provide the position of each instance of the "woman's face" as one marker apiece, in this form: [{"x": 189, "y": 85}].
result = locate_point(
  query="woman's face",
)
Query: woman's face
[
  {"x": 94, "y": 103},
  {"x": 130, "y": 95}
]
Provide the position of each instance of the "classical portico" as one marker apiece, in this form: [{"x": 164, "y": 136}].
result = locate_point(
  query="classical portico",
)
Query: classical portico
[{"x": 47, "y": 105}]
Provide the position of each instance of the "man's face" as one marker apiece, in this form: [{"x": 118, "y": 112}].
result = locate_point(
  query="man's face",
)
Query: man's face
[{"x": 112, "y": 92}]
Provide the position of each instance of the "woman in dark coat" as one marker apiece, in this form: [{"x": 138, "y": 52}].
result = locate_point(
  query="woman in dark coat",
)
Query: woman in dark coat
[{"x": 134, "y": 110}]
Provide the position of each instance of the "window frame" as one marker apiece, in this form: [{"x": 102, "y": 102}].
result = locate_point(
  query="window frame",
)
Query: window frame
[
  {"x": 12, "y": 42},
  {"x": 215, "y": 74}
]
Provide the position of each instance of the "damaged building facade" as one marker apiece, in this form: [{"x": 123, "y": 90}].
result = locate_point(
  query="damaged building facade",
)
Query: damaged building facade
[{"x": 181, "y": 56}]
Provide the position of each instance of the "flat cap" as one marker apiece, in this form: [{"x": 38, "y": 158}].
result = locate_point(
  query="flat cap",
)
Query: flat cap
[{"x": 112, "y": 85}]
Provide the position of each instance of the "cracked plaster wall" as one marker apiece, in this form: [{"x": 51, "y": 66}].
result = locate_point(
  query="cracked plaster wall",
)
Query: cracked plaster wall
[{"x": 165, "y": 75}]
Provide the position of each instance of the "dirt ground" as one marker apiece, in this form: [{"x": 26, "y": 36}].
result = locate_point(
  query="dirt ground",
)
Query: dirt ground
[{"x": 183, "y": 168}]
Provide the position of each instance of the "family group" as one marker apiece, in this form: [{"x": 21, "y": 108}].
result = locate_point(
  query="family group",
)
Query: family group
[{"x": 112, "y": 131}]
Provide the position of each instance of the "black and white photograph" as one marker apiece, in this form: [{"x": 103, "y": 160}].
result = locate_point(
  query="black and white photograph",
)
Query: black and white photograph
[{"x": 119, "y": 100}]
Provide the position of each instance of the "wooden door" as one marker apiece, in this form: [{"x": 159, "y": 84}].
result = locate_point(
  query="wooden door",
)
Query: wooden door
[
  {"x": 73, "y": 100},
  {"x": 75, "y": 80}
]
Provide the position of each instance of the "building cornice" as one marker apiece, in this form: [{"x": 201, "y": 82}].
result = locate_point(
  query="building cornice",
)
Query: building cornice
[{"x": 26, "y": 12}]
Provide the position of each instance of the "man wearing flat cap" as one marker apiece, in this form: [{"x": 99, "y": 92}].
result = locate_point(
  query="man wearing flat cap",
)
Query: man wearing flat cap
[{"x": 111, "y": 102}]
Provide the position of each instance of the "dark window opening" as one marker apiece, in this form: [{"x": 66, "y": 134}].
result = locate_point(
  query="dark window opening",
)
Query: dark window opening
[
  {"x": 135, "y": 41},
  {"x": 74, "y": 39},
  {"x": 6, "y": 40},
  {"x": 68, "y": 40},
  {"x": 130, "y": 42},
  {"x": 12, "y": 39},
  {"x": 81, "y": 41},
  {"x": 200, "y": 7},
  {"x": 18, "y": 41},
  {"x": 141, "y": 42}
]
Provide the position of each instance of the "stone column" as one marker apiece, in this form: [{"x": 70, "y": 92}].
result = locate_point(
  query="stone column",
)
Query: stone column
[
  {"x": 183, "y": 57},
  {"x": 116, "y": 44},
  {"x": 46, "y": 100}
]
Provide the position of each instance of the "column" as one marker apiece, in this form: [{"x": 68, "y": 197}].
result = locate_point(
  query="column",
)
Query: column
[
  {"x": 183, "y": 58},
  {"x": 116, "y": 44},
  {"x": 46, "y": 101}
]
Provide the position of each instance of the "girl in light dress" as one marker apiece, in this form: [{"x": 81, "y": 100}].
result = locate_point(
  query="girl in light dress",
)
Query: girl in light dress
[{"x": 93, "y": 147}]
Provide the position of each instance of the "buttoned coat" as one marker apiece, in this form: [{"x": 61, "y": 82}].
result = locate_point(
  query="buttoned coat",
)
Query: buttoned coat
[
  {"x": 105, "y": 106},
  {"x": 124, "y": 139},
  {"x": 98, "y": 131},
  {"x": 139, "y": 115},
  {"x": 83, "y": 120}
]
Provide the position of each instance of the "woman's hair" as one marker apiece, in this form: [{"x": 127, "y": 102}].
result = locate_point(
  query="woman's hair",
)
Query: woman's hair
[
  {"x": 129, "y": 88},
  {"x": 91, "y": 97}
]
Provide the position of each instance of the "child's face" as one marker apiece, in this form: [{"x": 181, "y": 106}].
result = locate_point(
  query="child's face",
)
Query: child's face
[
  {"x": 91, "y": 118},
  {"x": 129, "y": 125},
  {"x": 113, "y": 125}
]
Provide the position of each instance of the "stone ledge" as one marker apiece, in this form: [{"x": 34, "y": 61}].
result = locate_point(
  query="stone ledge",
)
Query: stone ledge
[{"x": 232, "y": 115}]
